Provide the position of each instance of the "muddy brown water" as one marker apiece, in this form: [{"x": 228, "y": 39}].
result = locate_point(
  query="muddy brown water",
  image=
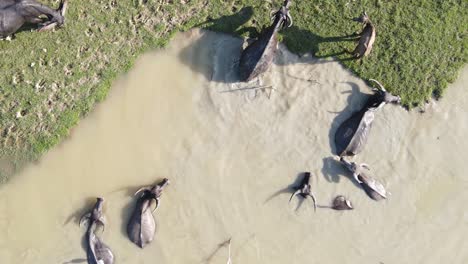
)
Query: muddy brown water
[{"x": 230, "y": 153}]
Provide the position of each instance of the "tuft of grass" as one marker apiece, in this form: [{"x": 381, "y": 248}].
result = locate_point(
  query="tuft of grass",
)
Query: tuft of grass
[
  {"x": 420, "y": 45},
  {"x": 51, "y": 80}
]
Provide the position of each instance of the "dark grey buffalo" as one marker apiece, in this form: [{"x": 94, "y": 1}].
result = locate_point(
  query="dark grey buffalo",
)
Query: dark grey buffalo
[
  {"x": 304, "y": 189},
  {"x": 341, "y": 203},
  {"x": 257, "y": 57},
  {"x": 15, "y": 13},
  {"x": 97, "y": 252},
  {"x": 373, "y": 188},
  {"x": 142, "y": 227},
  {"x": 367, "y": 37},
  {"x": 351, "y": 136}
]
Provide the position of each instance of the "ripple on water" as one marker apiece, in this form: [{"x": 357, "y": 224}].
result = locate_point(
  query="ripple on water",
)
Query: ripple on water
[{"x": 231, "y": 152}]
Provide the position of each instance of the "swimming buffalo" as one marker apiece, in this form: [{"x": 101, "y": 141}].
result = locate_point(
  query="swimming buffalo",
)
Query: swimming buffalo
[
  {"x": 305, "y": 190},
  {"x": 142, "y": 226},
  {"x": 15, "y": 13},
  {"x": 366, "y": 37},
  {"x": 351, "y": 136},
  {"x": 97, "y": 252},
  {"x": 373, "y": 188},
  {"x": 341, "y": 203},
  {"x": 257, "y": 57}
]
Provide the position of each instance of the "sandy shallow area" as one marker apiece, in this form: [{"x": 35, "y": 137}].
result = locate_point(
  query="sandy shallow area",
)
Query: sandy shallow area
[{"x": 231, "y": 152}]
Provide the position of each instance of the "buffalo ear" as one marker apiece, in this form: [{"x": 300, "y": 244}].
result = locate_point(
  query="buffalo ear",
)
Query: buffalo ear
[
  {"x": 314, "y": 200},
  {"x": 290, "y": 20},
  {"x": 379, "y": 84},
  {"x": 356, "y": 177},
  {"x": 63, "y": 7},
  {"x": 365, "y": 165},
  {"x": 102, "y": 222},
  {"x": 152, "y": 200},
  {"x": 84, "y": 218},
  {"x": 142, "y": 190},
  {"x": 157, "y": 204},
  {"x": 298, "y": 191}
]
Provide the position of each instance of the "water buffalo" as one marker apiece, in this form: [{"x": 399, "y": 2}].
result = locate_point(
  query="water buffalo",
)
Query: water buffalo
[
  {"x": 373, "y": 188},
  {"x": 341, "y": 203},
  {"x": 141, "y": 227},
  {"x": 257, "y": 57},
  {"x": 97, "y": 252},
  {"x": 367, "y": 37},
  {"x": 305, "y": 190},
  {"x": 15, "y": 13},
  {"x": 351, "y": 136}
]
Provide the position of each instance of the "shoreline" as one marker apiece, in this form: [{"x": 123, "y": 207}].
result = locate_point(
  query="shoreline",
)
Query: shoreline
[
  {"x": 52, "y": 107},
  {"x": 230, "y": 156}
]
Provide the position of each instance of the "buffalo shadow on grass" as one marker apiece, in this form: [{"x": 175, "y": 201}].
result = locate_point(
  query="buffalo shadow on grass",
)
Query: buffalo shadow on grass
[
  {"x": 231, "y": 24},
  {"x": 304, "y": 41},
  {"x": 30, "y": 27},
  {"x": 27, "y": 27}
]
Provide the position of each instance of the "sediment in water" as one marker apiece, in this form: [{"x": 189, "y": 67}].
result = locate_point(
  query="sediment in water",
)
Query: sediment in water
[{"x": 230, "y": 152}]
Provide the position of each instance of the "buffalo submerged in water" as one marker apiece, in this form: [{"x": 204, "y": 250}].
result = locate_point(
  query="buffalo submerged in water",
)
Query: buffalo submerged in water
[
  {"x": 372, "y": 187},
  {"x": 304, "y": 189},
  {"x": 341, "y": 203},
  {"x": 97, "y": 252},
  {"x": 142, "y": 226},
  {"x": 351, "y": 136},
  {"x": 257, "y": 57}
]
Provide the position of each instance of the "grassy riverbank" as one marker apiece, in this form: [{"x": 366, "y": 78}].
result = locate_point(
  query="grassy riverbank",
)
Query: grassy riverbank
[{"x": 51, "y": 80}]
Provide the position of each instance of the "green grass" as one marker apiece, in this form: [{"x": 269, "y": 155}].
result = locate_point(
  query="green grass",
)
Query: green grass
[{"x": 53, "y": 79}]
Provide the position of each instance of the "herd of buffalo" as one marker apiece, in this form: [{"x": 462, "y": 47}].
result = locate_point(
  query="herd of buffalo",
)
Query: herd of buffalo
[
  {"x": 350, "y": 137},
  {"x": 140, "y": 228}
]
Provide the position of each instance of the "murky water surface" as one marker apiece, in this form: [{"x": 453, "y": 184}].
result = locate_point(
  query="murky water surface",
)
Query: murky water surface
[{"x": 230, "y": 152}]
